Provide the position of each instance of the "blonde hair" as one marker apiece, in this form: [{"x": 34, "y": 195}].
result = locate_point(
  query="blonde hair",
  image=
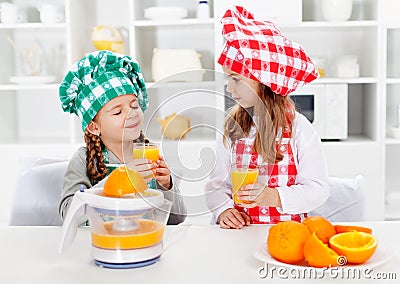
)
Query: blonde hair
[
  {"x": 96, "y": 168},
  {"x": 276, "y": 112}
]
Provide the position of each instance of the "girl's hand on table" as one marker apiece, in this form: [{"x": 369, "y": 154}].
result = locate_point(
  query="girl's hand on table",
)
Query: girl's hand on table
[
  {"x": 258, "y": 194},
  {"x": 233, "y": 219}
]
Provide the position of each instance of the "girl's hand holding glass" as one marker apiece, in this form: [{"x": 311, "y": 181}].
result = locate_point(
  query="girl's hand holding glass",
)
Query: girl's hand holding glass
[
  {"x": 258, "y": 194},
  {"x": 242, "y": 175},
  {"x": 148, "y": 151},
  {"x": 163, "y": 174},
  {"x": 147, "y": 168}
]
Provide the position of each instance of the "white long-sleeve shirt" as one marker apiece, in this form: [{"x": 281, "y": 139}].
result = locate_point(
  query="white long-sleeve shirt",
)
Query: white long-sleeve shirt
[{"x": 310, "y": 189}]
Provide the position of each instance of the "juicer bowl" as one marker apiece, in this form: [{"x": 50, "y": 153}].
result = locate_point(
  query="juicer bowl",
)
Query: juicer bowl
[
  {"x": 126, "y": 232},
  {"x": 128, "y": 229}
]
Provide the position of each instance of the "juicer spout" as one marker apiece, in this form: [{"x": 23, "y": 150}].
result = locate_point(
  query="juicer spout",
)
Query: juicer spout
[{"x": 75, "y": 216}]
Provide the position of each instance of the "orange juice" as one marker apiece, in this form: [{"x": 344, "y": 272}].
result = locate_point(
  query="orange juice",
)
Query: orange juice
[
  {"x": 150, "y": 152},
  {"x": 240, "y": 177},
  {"x": 149, "y": 233},
  {"x": 146, "y": 151}
]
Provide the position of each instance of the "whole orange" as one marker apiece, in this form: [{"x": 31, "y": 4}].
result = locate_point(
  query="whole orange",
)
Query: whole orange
[
  {"x": 124, "y": 181},
  {"x": 318, "y": 254},
  {"x": 321, "y": 227},
  {"x": 286, "y": 241},
  {"x": 357, "y": 247}
]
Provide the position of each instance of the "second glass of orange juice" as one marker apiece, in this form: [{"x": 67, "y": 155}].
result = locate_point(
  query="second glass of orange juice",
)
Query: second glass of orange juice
[{"x": 242, "y": 175}]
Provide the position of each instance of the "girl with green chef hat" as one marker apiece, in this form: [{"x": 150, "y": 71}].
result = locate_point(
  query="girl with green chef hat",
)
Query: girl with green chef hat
[{"x": 107, "y": 92}]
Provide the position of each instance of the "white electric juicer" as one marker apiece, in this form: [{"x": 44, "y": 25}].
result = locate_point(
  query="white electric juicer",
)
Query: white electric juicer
[{"x": 126, "y": 232}]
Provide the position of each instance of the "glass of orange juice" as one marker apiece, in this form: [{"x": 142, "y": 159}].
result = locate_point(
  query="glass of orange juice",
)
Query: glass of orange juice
[
  {"x": 242, "y": 175},
  {"x": 149, "y": 151}
]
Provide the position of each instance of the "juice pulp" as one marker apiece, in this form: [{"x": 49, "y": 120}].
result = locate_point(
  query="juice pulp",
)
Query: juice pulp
[
  {"x": 146, "y": 152},
  {"x": 148, "y": 234},
  {"x": 240, "y": 177}
]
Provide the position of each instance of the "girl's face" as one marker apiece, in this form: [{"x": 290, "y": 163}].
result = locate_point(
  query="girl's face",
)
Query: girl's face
[
  {"x": 119, "y": 120},
  {"x": 243, "y": 90}
]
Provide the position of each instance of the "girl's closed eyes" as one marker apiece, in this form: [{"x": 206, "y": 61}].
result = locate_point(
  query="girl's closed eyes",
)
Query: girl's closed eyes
[
  {"x": 117, "y": 110},
  {"x": 114, "y": 110},
  {"x": 135, "y": 105},
  {"x": 235, "y": 79}
]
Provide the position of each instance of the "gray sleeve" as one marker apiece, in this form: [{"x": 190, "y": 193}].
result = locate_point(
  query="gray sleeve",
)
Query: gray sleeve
[
  {"x": 75, "y": 178},
  {"x": 178, "y": 209}
]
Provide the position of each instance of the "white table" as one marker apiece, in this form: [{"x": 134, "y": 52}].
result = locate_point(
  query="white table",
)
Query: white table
[{"x": 194, "y": 254}]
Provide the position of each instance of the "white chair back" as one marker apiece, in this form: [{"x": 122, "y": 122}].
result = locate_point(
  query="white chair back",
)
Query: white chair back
[
  {"x": 37, "y": 194},
  {"x": 346, "y": 200}
]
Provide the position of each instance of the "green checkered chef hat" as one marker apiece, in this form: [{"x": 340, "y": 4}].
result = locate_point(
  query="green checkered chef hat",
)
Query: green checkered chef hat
[{"x": 98, "y": 78}]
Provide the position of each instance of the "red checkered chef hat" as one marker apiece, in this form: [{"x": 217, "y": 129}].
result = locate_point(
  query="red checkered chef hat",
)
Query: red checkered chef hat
[{"x": 259, "y": 51}]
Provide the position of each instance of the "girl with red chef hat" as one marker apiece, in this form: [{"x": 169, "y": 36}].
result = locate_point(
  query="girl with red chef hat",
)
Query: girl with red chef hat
[{"x": 263, "y": 130}]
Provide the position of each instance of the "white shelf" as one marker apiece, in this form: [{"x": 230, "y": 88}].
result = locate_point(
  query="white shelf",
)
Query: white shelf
[
  {"x": 326, "y": 24},
  {"x": 211, "y": 22},
  {"x": 183, "y": 22},
  {"x": 392, "y": 212},
  {"x": 32, "y": 26},
  {"x": 47, "y": 144},
  {"x": 393, "y": 26},
  {"x": 13, "y": 87},
  {"x": 393, "y": 81},
  {"x": 49, "y": 139},
  {"x": 392, "y": 141},
  {"x": 360, "y": 80}
]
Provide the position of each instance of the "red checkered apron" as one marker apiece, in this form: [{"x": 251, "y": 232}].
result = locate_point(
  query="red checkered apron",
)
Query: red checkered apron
[{"x": 279, "y": 174}]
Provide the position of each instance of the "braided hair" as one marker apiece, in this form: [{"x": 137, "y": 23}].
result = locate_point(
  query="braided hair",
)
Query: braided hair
[{"x": 95, "y": 166}]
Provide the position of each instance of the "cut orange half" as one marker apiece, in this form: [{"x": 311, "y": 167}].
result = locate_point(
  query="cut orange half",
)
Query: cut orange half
[
  {"x": 124, "y": 181},
  {"x": 357, "y": 247},
  {"x": 318, "y": 254},
  {"x": 350, "y": 228}
]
